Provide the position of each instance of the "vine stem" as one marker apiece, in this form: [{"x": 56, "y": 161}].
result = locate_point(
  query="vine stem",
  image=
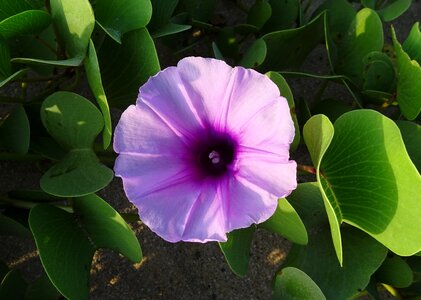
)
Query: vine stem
[{"x": 307, "y": 169}]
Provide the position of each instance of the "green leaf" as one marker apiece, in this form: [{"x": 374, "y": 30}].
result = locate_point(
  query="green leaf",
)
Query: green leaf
[
  {"x": 5, "y": 65},
  {"x": 408, "y": 87},
  {"x": 161, "y": 14},
  {"x": 216, "y": 52},
  {"x": 13, "y": 7},
  {"x": 78, "y": 173},
  {"x": 118, "y": 17},
  {"x": 292, "y": 283},
  {"x": 368, "y": 177},
  {"x": 362, "y": 255},
  {"x": 93, "y": 75},
  {"x": 106, "y": 227},
  {"x": 15, "y": 131},
  {"x": 318, "y": 134},
  {"x": 395, "y": 272},
  {"x": 287, "y": 223},
  {"x": 283, "y": 16},
  {"x": 411, "y": 134},
  {"x": 170, "y": 28},
  {"x": 285, "y": 91},
  {"x": 33, "y": 196},
  {"x": 394, "y": 9},
  {"x": 9, "y": 226},
  {"x": 259, "y": 13},
  {"x": 255, "y": 55},
  {"x": 379, "y": 76},
  {"x": 67, "y": 242},
  {"x": 237, "y": 249},
  {"x": 412, "y": 44},
  {"x": 71, "y": 62},
  {"x": 74, "y": 122},
  {"x": 13, "y": 286},
  {"x": 75, "y": 22},
  {"x": 26, "y": 22},
  {"x": 300, "y": 41},
  {"x": 364, "y": 35},
  {"x": 127, "y": 66}
]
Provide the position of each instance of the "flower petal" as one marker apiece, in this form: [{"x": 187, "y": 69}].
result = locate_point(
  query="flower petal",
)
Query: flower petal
[
  {"x": 140, "y": 130},
  {"x": 273, "y": 174},
  {"x": 245, "y": 203}
]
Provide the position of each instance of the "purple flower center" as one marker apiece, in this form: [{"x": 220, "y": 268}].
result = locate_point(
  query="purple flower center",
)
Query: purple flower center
[{"x": 215, "y": 154}]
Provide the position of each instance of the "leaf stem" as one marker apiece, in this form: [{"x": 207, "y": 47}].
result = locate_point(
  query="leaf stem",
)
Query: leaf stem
[{"x": 307, "y": 169}]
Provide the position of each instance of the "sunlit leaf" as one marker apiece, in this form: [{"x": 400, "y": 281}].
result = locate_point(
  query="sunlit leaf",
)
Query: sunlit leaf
[
  {"x": 93, "y": 75},
  {"x": 118, "y": 17},
  {"x": 237, "y": 249},
  {"x": 292, "y": 283},
  {"x": 412, "y": 44},
  {"x": 286, "y": 222},
  {"x": 408, "y": 87}
]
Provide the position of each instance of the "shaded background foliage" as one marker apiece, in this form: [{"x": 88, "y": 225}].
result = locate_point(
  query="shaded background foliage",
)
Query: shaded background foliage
[{"x": 362, "y": 67}]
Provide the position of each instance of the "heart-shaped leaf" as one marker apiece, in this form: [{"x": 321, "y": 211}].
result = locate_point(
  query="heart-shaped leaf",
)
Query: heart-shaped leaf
[
  {"x": 287, "y": 223},
  {"x": 67, "y": 242},
  {"x": 408, "y": 87},
  {"x": 368, "y": 177},
  {"x": 237, "y": 249},
  {"x": 292, "y": 283},
  {"x": 74, "y": 122},
  {"x": 127, "y": 66},
  {"x": 93, "y": 75},
  {"x": 301, "y": 41},
  {"x": 26, "y": 22},
  {"x": 118, "y": 17},
  {"x": 362, "y": 255}
]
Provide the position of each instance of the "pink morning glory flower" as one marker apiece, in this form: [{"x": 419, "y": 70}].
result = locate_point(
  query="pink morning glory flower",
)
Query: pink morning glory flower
[{"x": 205, "y": 150}]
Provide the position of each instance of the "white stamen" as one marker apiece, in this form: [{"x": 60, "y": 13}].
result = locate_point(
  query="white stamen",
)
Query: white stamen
[{"x": 215, "y": 157}]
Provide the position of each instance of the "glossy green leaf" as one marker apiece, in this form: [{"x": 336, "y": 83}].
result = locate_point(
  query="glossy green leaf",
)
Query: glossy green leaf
[
  {"x": 9, "y": 226},
  {"x": 118, "y": 17},
  {"x": 201, "y": 10},
  {"x": 74, "y": 122},
  {"x": 287, "y": 223},
  {"x": 67, "y": 242},
  {"x": 292, "y": 284},
  {"x": 259, "y": 13},
  {"x": 318, "y": 134},
  {"x": 13, "y": 286},
  {"x": 284, "y": 15},
  {"x": 394, "y": 9},
  {"x": 409, "y": 75},
  {"x": 125, "y": 67},
  {"x": 364, "y": 35},
  {"x": 170, "y": 28},
  {"x": 395, "y": 272},
  {"x": 106, "y": 228},
  {"x": 71, "y": 119},
  {"x": 412, "y": 44},
  {"x": 15, "y": 131},
  {"x": 26, "y": 22},
  {"x": 237, "y": 249},
  {"x": 285, "y": 91},
  {"x": 362, "y": 255},
  {"x": 93, "y": 75},
  {"x": 368, "y": 177},
  {"x": 255, "y": 55},
  {"x": 78, "y": 173},
  {"x": 411, "y": 134},
  {"x": 300, "y": 41},
  {"x": 161, "y": 14}
]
